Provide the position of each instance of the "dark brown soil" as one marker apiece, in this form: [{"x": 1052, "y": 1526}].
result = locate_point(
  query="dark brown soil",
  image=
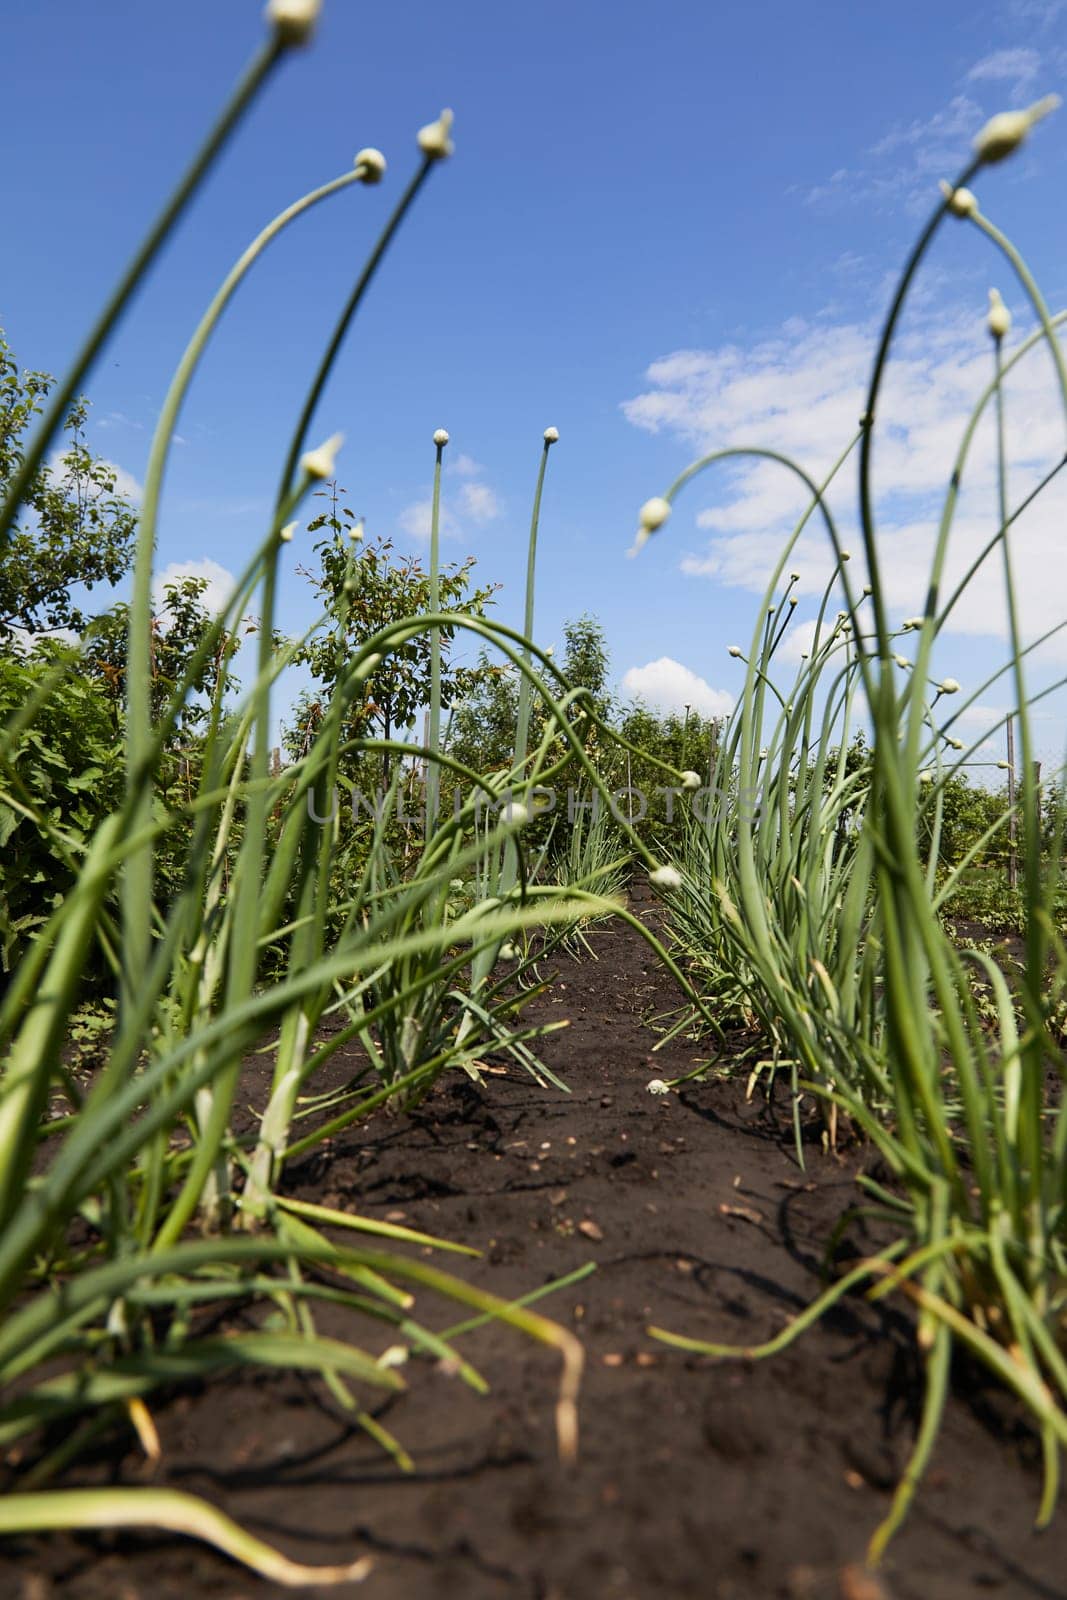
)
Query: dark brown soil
[{"x": 695, "y": 1478}]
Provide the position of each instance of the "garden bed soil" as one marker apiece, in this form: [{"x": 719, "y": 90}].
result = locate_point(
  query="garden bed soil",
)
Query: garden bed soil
[{"x": 734, "y": 1480}]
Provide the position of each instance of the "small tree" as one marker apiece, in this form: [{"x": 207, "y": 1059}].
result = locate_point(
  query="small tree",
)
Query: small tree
[
  {"x": 179, "y": 626},
  {"x": 73, "y": 527},
  {"x": 384, "y": 589}
]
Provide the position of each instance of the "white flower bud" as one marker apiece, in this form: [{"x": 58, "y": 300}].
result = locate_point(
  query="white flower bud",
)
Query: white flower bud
[
  {"x": 456, "y": 883},
  {"x": 550, "y": 649},
  {"x": 1006, "y": 131},
  {"x": 287, "y": 532},
  {"x": 440, "y": 438},
  {"x": 902, "y": 661},
  {"x": 293, "y": 21},
  {"x": 657, "y": 1086},
  {"x": 957, "y": 744},
  {"x": 867, "y": 589},
  {"x": 1005, "y": 766},
  {"x": 320, "y": 463},
  {"x": 999, "y": 319},
  {"x": 515, "y": 813},
  {"x": 846, "y": 555},
  {"x": 961, "y": 202},
  {"x": 949, "y": 686},
  {"x": 356, "y": 533},
  {"x": 654, "y": 513},
  {"x": 395, "y": 1356},
  {"x": 690, "y": 779},
  {"x": 507, "y": 952},
  {"x": 763, "y": 753},
  {"x": 373, "y": 163},
  {"x": 666, "y": 878},
  {"x": 913, "y": 622},
  {"x": 551, "y": 435},
  {"x": 926, "y": 777},
  {"x": 434, "y": 140},
  {"x": 792, "y": 600},
  {"x": 794, "y": 577},
  {"x": 734, "y": 650}
]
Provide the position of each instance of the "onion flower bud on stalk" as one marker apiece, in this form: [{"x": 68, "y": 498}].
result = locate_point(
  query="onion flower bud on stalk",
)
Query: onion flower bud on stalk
[
  {"x": 435, "y": 139},
  {"x": 373, "y": 163},
  {"x": 293, "y": 21},
  {"x": 665, "y": 877},
  {"x": 320, "y": 463},
  {"x": 961, "y": 202},
  {"x": 1005, "y": 132},
  {"x": 650, "y": 519},
  {"x": 999, "y": 319}
]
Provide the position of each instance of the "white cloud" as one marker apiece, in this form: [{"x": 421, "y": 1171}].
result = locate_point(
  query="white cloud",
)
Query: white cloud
[
  {"x": 220, "y": 581},
  {"x": 799, "y": 638},
  {"x": 475, "y": 502},
  {"x": 1018, "y": 67},
  {"x": 669, "y": 686},
  {"x": 801, "y": 392},
  {"x": 415, "y": 519},
  {"x": 126, "y": 484},
  {"x": 479, "y": 502},
  {"x": 464, "y": 466}
]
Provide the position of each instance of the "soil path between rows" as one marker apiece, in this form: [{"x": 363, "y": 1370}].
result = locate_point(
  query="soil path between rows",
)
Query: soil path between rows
[{"x": 695, "y": 1478}]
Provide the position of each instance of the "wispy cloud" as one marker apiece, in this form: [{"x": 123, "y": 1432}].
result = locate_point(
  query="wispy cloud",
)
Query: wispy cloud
[
  {"x": 1040, "y": 13},
  {"x": 900, "y": 170},
  {"x": 1018, "y": 67},
  {"x": 667, "y": 685},
  {"x": 119, "y": 419}
]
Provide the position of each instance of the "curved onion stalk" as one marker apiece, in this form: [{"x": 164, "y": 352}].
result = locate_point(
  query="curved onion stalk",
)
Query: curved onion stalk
[{"x": 171, "y": 1511}]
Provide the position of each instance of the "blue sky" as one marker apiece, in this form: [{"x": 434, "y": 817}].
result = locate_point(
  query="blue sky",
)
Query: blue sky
[{"x": 661, "y": 231}]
